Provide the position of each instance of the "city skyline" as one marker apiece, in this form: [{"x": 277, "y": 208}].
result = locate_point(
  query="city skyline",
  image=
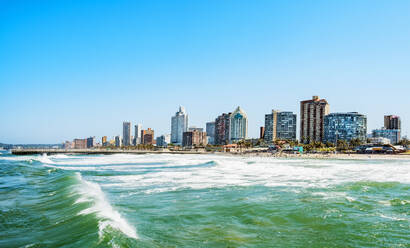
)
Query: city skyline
[{"x": 73, "y": 70}]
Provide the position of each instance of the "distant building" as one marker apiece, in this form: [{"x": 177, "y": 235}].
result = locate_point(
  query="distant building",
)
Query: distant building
[
  {"x": 126, "y": 133},
  {"x": 392, "y": 122},
  {"x": 90, "y": 142},
  {"x": 68, "y": 145},
  {"x": 239, "y": 125},
  {"x": 392, "y": 134},
  {"x": 118, "y": 141},
  {"x": 194, "y": 138},
  {"x": 80, "y": 143},
  {"x": 104, "y": 141},
  {"x": 312, "y": 113},
  {"x": 222, "y": 129},
  {"x": 345, "y": 126},
  {"x": 261, "y": 132},
  {"x": 163, "y": 140},
  {"x": 210, "y": 132},
  {"x": 280, "y": 125},
  {"x": 193, "y": 128},
  {"x": 137, "y": 136},
  {"x": 147, "y": 136},
  {"x": 179, "y": 125}
]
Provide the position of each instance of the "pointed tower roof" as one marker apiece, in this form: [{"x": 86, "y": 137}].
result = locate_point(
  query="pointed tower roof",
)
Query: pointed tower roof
[{"x": 239, "y": 110}]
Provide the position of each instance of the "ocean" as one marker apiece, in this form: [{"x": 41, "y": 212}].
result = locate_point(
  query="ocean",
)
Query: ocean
[{"x": 170, "y": 200}]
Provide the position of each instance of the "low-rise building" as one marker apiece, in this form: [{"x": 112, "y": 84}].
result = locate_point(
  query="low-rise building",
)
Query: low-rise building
[
  {"x": 392, "y": 134},
  {"x": 163, "y": 140}
]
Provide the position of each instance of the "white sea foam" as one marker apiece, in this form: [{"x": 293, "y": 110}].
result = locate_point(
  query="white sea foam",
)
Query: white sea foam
[
  {"x": 91, "y": 192},
  {"x": 168, "y": 172}
]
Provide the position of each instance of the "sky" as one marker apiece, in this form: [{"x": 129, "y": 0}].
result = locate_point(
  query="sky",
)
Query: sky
[{"x": 74, "y": 69}]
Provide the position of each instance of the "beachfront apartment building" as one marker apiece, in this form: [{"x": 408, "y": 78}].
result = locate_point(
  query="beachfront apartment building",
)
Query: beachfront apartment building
[
  {"x": 312, "y": 113},
  {"x": 345, "y": 126},
  {"x": 392, "y": 134},
  {"x": 210, "y": 132},
  {"x": 137, "y": 136},
  {"x": 238, "y": 125},
  {"x": 194, "y": 138},
  {"x": 147, "y": 137},
  {"x": 280, "y": 125},
  {"x": 222, "y": 129}
]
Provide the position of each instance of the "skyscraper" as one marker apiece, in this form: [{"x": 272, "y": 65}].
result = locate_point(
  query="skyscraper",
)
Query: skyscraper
[
  {"x": 222, "y": 129},
  {"x": 137, "y": 136},
  {"x": 210, "y": 132},
  {"x": 179, "y": 125},
  {"x": 126, "y": 133},
  {"x": 239, "y": 125},
  {"x": 312, "y": 113},
  {"x": 345, "y": 126},
  {"x": 280, "y": 125}
]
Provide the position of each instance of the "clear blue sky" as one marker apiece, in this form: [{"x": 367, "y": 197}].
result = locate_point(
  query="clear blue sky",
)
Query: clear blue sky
[{"x": 71, "y": 69}]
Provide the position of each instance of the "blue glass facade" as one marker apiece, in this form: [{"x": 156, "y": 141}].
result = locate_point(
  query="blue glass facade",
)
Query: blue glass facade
[{"x": 345, "y": 126}]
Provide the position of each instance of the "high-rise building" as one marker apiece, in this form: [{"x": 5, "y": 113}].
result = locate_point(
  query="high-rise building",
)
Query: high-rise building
[
  {"x": 210, "y": 132},
  {"x": 261, "y": 132},
  {"x": 222, "y": 129},
  {"x": 239, "y": 125},
  {"x": 80, "y": 143},
  {"x": 392, "y": 134},
  {"x": 392, "y": 122},
  {"x": 312, "y": 113},
  {"x": 90, "y": 142},
  {"x": 280, "y": 125},
  {"x": 117, "y": 141},
  {"x": 126, "y": 133},
  {"x": 194, "y": 138},
  {"x": 147, "y": 137},
  {"x": 179, "y": 125},
  {"x": 137, "y": 136},
  {"x": 270, "y": 126},
  {"x": 345, "y": 126}
]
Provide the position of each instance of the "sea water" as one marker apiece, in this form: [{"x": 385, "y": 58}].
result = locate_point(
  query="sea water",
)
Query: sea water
[{"x": 170, "y": 200}]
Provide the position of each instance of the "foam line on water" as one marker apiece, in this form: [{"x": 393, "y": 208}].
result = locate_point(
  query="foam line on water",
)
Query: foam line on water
[{"x": 91, "y": 192}]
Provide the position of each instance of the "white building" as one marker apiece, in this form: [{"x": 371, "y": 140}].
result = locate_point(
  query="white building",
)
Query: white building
[
  {"x": 137, "y": 136},
  {"x": 179, "y": 125},
  {"x": 239, "y": 125}
]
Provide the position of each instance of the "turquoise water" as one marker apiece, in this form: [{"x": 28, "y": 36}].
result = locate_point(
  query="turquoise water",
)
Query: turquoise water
[{"x": 202, "y": 201}]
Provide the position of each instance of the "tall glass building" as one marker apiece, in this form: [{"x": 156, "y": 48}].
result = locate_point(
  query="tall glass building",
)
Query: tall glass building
[
  {"x": 239, "y": 125},
  {"x": 126, "y": 133},
  {"x": 179, "y": 125},
  {"x": 345, "y": 126}
]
